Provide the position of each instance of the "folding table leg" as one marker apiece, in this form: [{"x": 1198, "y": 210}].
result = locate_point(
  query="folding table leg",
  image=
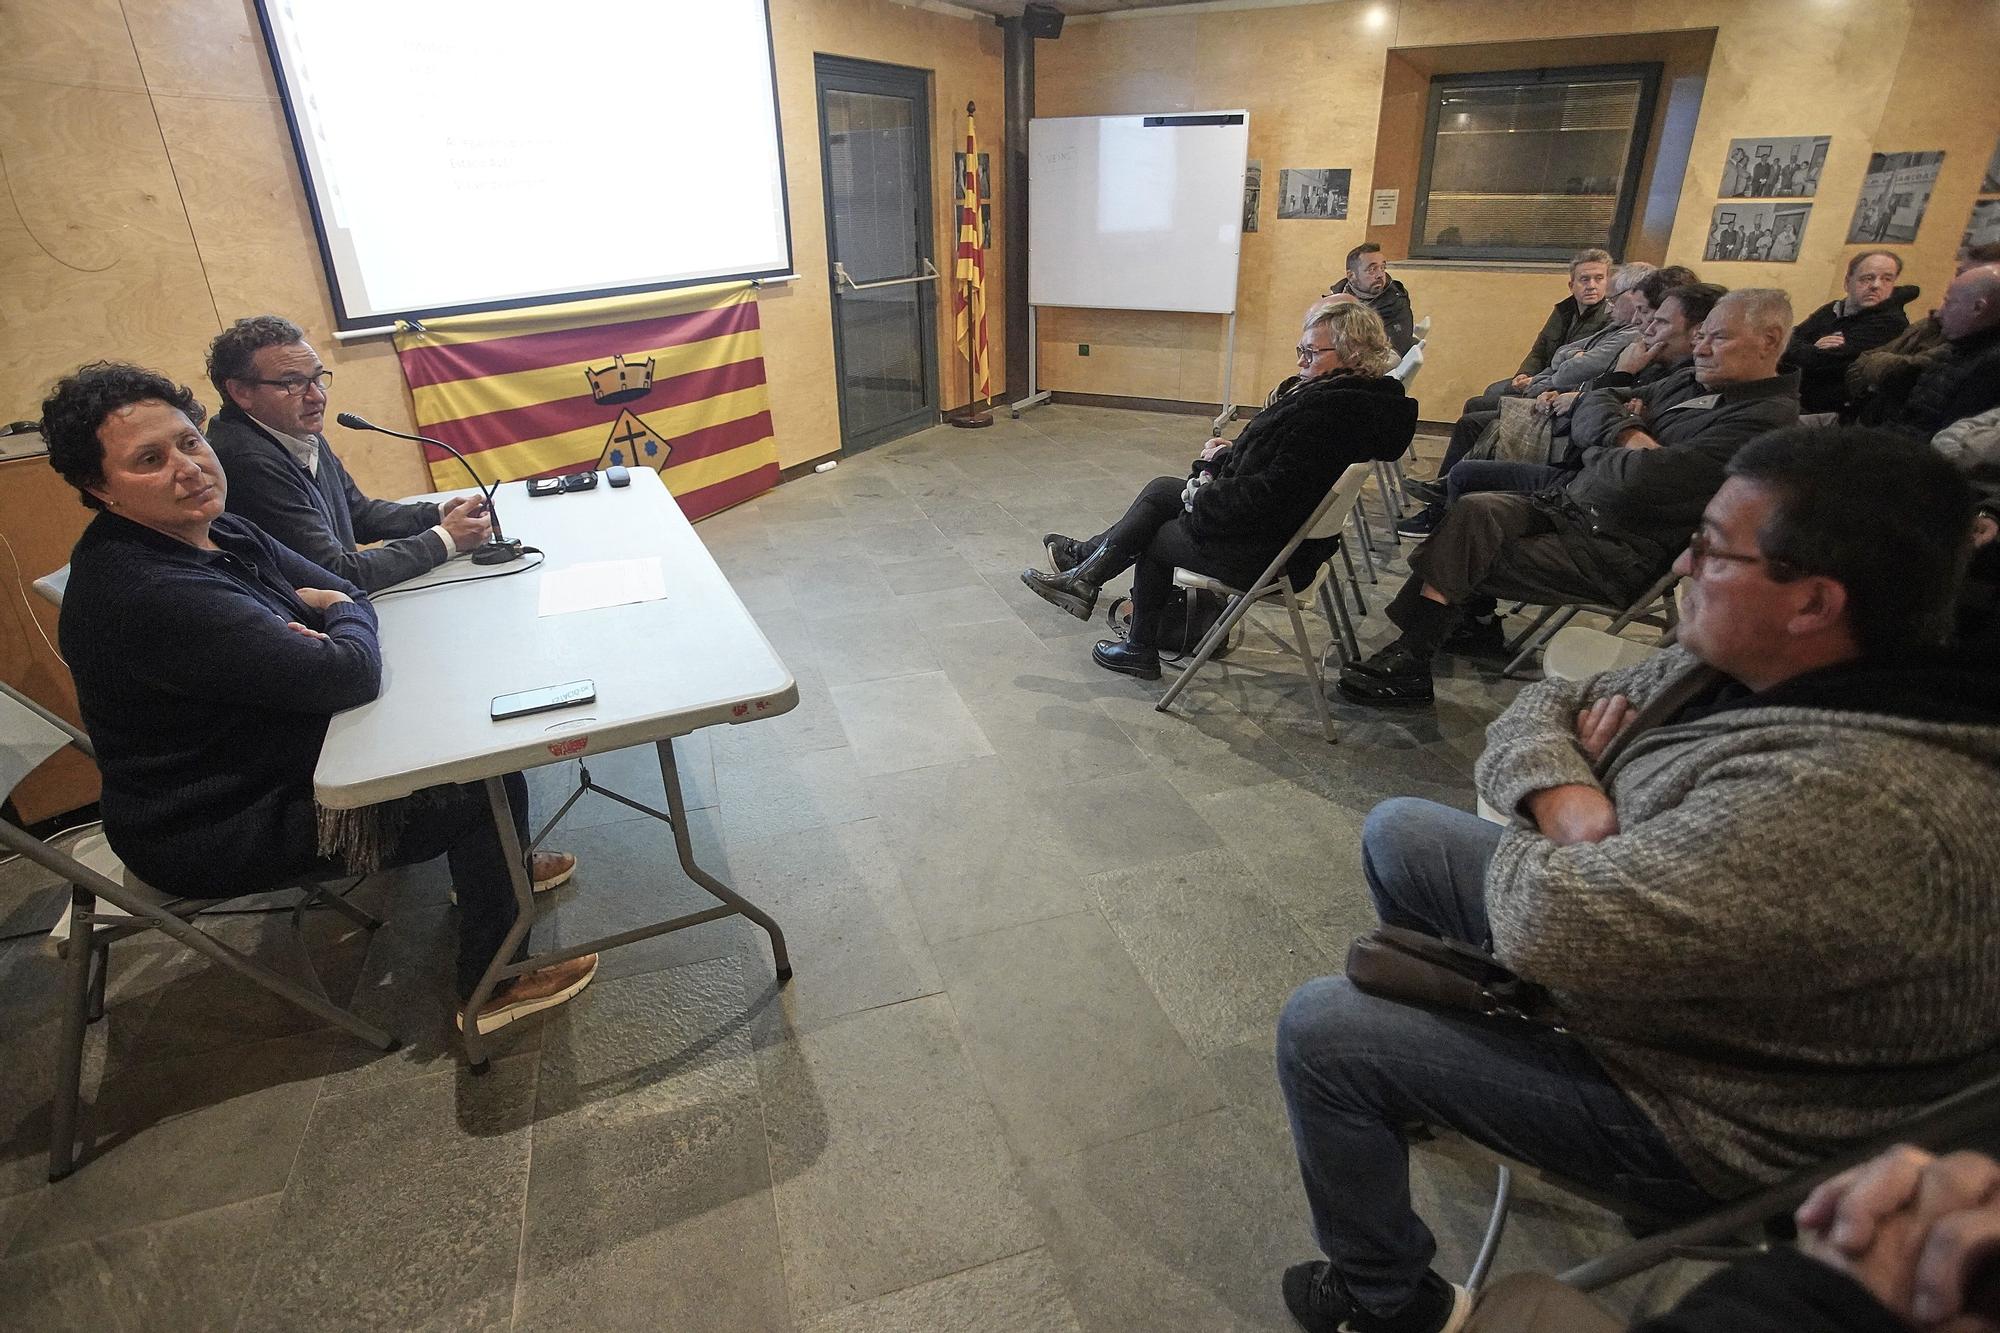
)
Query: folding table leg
[
  {"x": 524, "y": 920},
  {"x": 684, "y": 847}
]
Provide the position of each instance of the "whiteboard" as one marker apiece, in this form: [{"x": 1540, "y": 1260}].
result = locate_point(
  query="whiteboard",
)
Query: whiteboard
[{"x": 1137, "y": 212}]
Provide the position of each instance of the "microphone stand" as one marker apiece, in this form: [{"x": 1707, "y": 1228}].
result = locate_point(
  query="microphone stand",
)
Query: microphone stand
[{"x": 498, "y": 549}]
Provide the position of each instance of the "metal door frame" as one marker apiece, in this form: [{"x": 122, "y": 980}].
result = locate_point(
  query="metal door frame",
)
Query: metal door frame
[{"x": 868, "y": 76}]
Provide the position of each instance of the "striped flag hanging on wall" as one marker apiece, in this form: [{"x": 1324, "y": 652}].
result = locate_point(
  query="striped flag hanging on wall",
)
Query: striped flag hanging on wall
[
  {"x": 672, "y": 381},
  {"x": 968, "y": 297}
]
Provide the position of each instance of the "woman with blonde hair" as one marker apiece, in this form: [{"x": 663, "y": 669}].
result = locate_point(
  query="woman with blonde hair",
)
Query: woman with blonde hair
[{"x": 1241, "y": 502}]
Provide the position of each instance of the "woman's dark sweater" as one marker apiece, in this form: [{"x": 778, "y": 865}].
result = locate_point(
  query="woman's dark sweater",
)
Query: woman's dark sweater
[{"x": 206, "y": 711}]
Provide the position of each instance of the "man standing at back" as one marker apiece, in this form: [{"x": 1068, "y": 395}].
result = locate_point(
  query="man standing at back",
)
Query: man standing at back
[
  {"x": 285, "y": 478},
  {"x": 1368, "y": 282}
]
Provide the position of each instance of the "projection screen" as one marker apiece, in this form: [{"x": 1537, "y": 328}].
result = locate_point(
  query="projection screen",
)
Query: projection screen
[{"x": 467, "y": 156}]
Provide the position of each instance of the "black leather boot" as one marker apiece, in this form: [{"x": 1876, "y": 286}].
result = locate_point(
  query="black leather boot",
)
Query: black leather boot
[
  {"x": 1075, "y": 590},
  {"x": 1065, "y": 553},
  {"x": 1130, "y": 659}
]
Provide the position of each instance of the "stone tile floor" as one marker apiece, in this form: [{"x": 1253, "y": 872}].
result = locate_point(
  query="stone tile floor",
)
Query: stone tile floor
[{"x": 1021, "y": 1081}]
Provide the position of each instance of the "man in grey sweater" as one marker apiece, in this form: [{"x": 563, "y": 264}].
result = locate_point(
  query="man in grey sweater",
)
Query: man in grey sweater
[
  {"x": 285, "y": 478},
  {"x": 1755, "y": 872},
  {"x": 1651, "y": 460}
]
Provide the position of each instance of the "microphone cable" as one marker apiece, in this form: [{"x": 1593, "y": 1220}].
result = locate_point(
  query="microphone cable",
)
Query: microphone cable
[{"x": 541, "y": 558}]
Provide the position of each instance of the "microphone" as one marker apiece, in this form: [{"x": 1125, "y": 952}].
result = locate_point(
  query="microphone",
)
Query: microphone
[{"x": 498, "y": 550}]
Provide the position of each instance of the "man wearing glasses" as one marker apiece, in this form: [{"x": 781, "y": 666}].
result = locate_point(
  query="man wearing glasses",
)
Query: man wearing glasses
[
  {"x": 1754, "y": 871},
  {"x": 285, "y": 478}
]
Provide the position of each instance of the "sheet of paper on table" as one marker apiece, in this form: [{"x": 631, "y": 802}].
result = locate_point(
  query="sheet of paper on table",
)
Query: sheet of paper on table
[{"x": 601, "y": 583}]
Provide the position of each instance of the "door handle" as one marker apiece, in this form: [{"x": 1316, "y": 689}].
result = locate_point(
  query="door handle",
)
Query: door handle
[{"x": 840, "y": 276}]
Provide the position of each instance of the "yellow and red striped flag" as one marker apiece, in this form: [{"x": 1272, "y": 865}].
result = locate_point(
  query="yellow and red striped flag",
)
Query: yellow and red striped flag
[
  {"x": 968, "y": 296},
  {"x": 672, "y": 381}
]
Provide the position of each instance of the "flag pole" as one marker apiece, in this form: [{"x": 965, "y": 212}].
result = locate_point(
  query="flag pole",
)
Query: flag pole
[{"x": 966, "y": 206}]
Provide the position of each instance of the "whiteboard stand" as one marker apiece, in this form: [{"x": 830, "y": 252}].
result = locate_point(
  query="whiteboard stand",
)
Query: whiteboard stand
[{"x": 1037, "y": 395}]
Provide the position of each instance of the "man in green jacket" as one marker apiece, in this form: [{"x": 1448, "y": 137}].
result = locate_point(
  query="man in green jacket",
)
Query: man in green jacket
[{"x": 1754, "y": 873}]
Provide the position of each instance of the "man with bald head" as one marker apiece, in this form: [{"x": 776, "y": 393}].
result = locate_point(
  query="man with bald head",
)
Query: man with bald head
[
  {"x": 1652, "y": 458},
  {"x": 1965, "y": 380}
]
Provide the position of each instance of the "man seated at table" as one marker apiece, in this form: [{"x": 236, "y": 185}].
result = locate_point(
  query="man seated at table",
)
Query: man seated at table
[
  {"x": 285, "y": 477},
  {"x": 1651, "y": 461},
  {"x": 1827, "y": 341},
  {"x": 209, "y": 659},
  {"x": 1754, "y": 872},
  {"x": 1368, "y": 282}
]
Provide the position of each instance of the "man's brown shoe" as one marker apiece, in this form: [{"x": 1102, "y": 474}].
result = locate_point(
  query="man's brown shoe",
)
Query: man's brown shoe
[{"x": 532, "y": 992}]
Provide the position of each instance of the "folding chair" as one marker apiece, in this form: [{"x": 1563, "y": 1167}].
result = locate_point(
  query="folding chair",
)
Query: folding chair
[
  {"x": 1273, "y": 584},
  {"x": 1422, "y": 328},
  {"x": 1736, "y": 1230},
  {"x": 1389, "y": 475},
  {"x": 1655, "y": 607},
  {"x": 30, "y": 734},
  {"x": 51, "y": 587}
]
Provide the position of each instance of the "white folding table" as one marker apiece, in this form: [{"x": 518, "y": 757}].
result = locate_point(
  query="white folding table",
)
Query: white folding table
[{"x": 662, "y": 669}]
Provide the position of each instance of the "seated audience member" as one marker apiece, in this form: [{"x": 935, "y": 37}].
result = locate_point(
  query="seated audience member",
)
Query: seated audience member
[
  {"x": 1578, "y": 315},
  {"x": 1242, "y": 502},
  {"x": 1964, "y": 379},
  {"x": 1826, "y": 342},
  {"x": 1652, "y": 458},
  {"x": 1368, "y": 281},
  {"x": 1973, "y": 447},
  {"x": 1636, "y": 292},
  {"x": 208, "y": 659},
  {"x": 1907, "y": 1240},
  {"x": 1895, "y": 365},
  {"x": 1665, "y": 345},
  {"x": 285, "y": 477},
  {"x": 1696, "y": 873}
]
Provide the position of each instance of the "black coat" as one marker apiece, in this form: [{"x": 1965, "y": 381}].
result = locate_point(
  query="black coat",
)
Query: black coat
[
  {"x": 1823, "y": 374},
  {"x": 1286, "y": 460},
  {"x": 1392, "y": 303},
  {"x": 207, "y": 712},
  {"x": 323, "y": 517}
]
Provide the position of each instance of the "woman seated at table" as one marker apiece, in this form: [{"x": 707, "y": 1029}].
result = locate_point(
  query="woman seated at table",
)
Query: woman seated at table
[
  {"x": 208, "y": 659},
  {"x": 1240, "y": 503}
]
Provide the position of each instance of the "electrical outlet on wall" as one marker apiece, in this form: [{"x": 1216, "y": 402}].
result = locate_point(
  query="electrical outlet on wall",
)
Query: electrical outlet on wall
[{"x": 1083, "y": 349}]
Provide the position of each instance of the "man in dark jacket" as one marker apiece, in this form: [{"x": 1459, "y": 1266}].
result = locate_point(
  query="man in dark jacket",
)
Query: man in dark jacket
[
  {"x": 1242, "y": 502},
  {"x": 1577, "y": 316},
  {"x": 1826, "y": 342},
  {"x": 1651, "y": 462},
  {"x": 285, "y": 478},
  {"x": 1965, "y": 379},
  {"x": 1368, "y": 281}
]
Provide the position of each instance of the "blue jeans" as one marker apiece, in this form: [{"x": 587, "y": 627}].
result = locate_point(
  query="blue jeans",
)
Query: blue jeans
[
  {"x": 1489, "y": 474},
  {"x": 1356, "y": 1069}
]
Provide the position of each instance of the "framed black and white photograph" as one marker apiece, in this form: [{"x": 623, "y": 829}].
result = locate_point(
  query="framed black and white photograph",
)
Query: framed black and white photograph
[
  {"x": 1313, "y": 192},
  {"x": 1756, "y": 233},
  {"x": 985, "y": 175},
  {"x": 1894, "y": 195},
  {"x": 1983, "y": 228},
  {"x": 1991, "y": 183},
  {"x": 1774, "y": 166},
  {"x": 1253, "y": 192}
]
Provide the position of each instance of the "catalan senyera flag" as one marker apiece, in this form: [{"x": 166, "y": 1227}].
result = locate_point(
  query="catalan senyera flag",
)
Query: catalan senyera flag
[
  {"x": 968, "y": 289},
  {"x": 672, "y": 381}
]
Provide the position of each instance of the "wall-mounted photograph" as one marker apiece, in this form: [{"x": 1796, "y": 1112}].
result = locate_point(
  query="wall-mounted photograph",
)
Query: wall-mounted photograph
[
  {"x": 1253, "y": 191},
  {"x": 1991, "y": 183},
  {"x": 1894, "y": 195},
  {"x": 1764, "y": 233},
  {"x": 1313, "y": 192},
  {"x": 1984, "y": 226},
  {"x": 1774, "y": 166}
]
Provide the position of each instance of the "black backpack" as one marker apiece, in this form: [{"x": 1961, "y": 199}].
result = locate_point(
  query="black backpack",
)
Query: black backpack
[{"x": 1185, "y": 620}]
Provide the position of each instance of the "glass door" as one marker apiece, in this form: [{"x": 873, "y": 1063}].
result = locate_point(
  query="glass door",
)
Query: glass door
[{"x": 875, "y": 160}]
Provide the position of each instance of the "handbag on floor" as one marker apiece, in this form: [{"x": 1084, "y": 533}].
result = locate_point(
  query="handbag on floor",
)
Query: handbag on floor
[
  {"x": 1185, "y": 620},
  {"x": 1410, "y": 967},
  {"x": 1519, "y": 434}
]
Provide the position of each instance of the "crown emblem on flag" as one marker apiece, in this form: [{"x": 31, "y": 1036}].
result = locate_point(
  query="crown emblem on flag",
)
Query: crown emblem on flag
[{"x": 619, "y": 382}]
